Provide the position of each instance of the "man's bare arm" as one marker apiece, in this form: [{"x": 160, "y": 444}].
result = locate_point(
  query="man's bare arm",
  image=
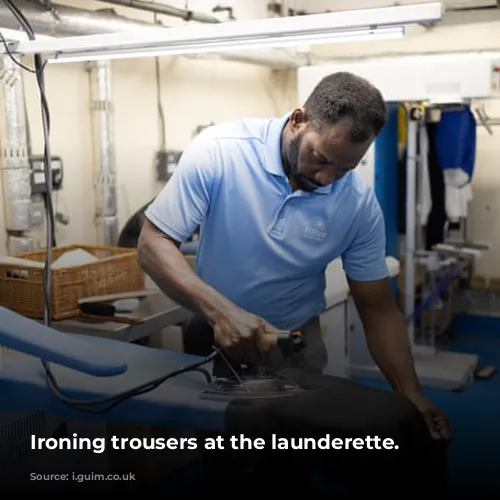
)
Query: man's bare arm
[
  {"x": 386, "y": 334},
  {"x": 161, "y": 258}
]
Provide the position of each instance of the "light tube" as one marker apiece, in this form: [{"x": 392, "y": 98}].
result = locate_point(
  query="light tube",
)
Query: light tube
[{"x": 339, "y": 37}]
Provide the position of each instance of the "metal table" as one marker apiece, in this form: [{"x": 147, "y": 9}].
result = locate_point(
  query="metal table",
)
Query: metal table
[{"x": 157, "y": 311}]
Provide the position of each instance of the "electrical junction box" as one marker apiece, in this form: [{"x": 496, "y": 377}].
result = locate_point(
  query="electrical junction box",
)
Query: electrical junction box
[
  {"x": 38, "y": 174},
  {"x": 166, "y": 163}
]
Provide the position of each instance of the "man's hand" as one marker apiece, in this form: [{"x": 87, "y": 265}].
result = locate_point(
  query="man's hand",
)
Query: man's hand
[
  {"x": 245, "y": 336},
  {"x": 436, "y": 420}
]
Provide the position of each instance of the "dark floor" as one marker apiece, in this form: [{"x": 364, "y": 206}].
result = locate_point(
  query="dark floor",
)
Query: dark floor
[{"x": 475, "y": 412}]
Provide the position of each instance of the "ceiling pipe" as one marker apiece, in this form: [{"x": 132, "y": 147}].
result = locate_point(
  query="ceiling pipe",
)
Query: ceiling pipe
[
  {"x": 61, "y": 20},
  {"x": 166, "y": 10}
]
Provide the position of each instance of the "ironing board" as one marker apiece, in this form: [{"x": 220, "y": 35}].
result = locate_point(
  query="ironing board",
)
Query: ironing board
[{"x": 92, "y": 367}]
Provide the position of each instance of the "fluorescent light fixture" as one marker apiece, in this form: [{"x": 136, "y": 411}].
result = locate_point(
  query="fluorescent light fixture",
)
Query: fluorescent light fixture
[
  {"x": 339, "y": 37},
  {"x": 255, "y": 34},
  {"x": 20, "y": 36}
]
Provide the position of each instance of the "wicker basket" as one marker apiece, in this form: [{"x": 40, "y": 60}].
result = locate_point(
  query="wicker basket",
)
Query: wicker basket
[{"x": 21, "y": 287}]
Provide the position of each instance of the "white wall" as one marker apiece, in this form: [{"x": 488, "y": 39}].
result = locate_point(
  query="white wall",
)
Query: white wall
[
  {"x": 194, "y": 93},
  {"x": 197, "y": 92},
  {"x": 484, "y": 213},
  {"x": 484, "y": 209}
]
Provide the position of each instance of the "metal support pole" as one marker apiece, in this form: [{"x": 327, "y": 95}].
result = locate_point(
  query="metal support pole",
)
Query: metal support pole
[
  {"x": 14, "y": 162},
  {"x": 415, "y": 116},
  {"x": 106, "y": 217},
  {"x": 419, "y": 229}
]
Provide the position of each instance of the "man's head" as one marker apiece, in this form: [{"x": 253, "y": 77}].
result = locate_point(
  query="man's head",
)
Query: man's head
[{"x": 332, "y": 132}]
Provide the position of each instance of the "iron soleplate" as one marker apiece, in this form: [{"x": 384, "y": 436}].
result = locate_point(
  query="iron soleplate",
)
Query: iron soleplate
[{"x": 260, "y": 387}]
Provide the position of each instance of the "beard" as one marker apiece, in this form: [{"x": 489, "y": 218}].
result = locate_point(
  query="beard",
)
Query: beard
[{"x": 298, "y": 179}]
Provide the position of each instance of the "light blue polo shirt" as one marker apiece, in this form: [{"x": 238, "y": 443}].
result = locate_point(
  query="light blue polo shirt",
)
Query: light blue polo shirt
[{"x": 261, "y": 245}]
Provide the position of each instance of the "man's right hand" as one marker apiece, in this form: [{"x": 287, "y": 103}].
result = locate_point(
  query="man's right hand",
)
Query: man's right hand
[{"x": 245, "y": 336}]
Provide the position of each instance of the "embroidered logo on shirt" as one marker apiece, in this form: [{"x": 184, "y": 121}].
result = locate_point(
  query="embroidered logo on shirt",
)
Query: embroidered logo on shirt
[{"x": 316, "y": 230}]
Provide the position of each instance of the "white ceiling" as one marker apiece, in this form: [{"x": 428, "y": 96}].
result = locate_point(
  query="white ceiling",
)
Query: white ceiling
[
  {"x": 323, "y": 5},
  {"x": 452, "y": 17}
]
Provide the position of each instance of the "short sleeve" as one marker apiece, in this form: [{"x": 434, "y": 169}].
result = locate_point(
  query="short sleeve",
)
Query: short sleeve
[
  {"x": 365, "y": 259},
  {"x": 183, "y": 204}
]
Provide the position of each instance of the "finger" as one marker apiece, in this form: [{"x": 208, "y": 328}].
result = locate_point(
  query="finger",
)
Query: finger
[
  {"x": 266, "y": 340},
  {"x": 431, "y": 424},
  {"x": 251, "y": 348},
  {"x": 443, "y": 427},
  {"x": 269, "y": 336},
  {"x": 445, "y": 433},
  {"x": 228, "y": 341},
  {"x": 222, "y": 338},
  {"x": 242, "y": 345},
  {"x": 239, "y": 349}
]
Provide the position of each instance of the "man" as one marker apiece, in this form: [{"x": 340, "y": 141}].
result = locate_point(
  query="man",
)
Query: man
[{"x": 277, "y": 200}]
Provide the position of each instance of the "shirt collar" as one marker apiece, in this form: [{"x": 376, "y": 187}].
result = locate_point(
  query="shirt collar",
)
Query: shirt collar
[{"x": 272, "y": 158}]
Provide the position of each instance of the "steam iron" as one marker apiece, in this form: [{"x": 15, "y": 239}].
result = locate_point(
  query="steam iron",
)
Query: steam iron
[
  {"x": 251, "y": 382},
  {"x": 267, "y": 387}
]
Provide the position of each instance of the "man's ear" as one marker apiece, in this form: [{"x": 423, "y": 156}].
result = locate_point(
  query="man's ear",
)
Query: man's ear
[{"x": 298, "y": 118}]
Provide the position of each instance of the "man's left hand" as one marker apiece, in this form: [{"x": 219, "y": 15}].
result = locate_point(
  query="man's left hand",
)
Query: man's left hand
[{"x": 437, "y": 421}]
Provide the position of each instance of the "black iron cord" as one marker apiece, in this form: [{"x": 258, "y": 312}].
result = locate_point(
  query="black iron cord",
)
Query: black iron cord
[{"x": 105, "y": 404}]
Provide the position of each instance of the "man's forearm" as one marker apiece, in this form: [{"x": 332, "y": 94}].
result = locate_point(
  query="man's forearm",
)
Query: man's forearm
[
  {"x": 390, "y": 348},
  {"x": 168, "y": 268}
]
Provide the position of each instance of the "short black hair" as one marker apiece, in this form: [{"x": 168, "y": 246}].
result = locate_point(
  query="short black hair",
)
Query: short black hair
[{"x": 345, "y": 95}]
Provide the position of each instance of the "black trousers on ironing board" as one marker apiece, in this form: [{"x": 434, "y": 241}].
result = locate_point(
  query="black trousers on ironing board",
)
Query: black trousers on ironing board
[{"x": 346, "y": 413}]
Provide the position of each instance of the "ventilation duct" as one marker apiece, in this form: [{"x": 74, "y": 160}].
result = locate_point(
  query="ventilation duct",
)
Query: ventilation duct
[
  {"x": 62, "y": 20},
  {"x": 106, "y": 219},
  {"x": 15, "y": 167}
]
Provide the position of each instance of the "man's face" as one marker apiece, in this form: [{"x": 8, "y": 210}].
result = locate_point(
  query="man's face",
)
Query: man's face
[{"x": 319, "y": 157}]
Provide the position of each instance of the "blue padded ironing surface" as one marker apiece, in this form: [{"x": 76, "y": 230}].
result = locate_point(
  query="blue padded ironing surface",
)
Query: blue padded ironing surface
[
  {"x": 174, "y": 403},
  {"x": 29, "y": 336}
]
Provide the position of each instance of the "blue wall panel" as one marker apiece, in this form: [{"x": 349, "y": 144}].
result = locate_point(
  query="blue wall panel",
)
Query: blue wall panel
[{"x": 386, "y": 179}]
